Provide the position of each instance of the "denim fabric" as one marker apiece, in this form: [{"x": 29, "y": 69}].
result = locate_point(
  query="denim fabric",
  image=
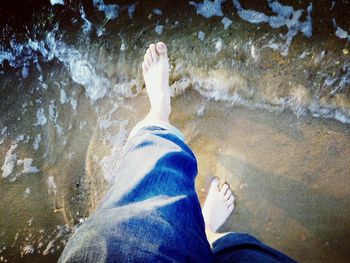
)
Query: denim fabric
[
  {"x": 238, "y": 247},
  {"x": 151, "y": 213}
]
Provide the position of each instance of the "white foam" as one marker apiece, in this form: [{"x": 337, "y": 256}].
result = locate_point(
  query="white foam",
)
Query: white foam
[
  {"x": 27, "y": 249},
  {"x": 157, "y": 11},
  {"x": 27, "y": 191},
  {"x": 131, "y": 10},
  {"x": 333, "y": 4},
  {"x": 73, "y": 103},
  {"x": 226, "y": 22},
  {"x": 87, "y": 24},
  {"x": 52, "y": 187},
  {"x": 82, "y": 124},
  {"x": 9, "y": 162},
  {"x": 201, "y": 35},
  {"x": 341, "y": 33},
  {"x": 209, "y": 8},
  {"x": 285, "y": 16},
  {"x": 53, "y": 114},
  {"x": 57, "y": 2},
  {"x": 110, "y": 10},
  {"x": 81, "y": 71},
  {"x": 159, "y": 29},
  {"x": 19, "y": 138},
  {"x": 36, "y": 142},
  {"x": 254, "y": 52},
  {"x": 3, "y": 135},
  {"x": 218, "y": 45},
  {"x": 27, "y": 165},
  {"x": 111, "y": 163},
  {"x": 40, "y": 117},
  {"x": 63, "y": 96}
]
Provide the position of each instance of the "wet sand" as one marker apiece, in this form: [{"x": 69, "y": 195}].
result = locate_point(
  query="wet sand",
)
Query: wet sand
[{"x": 290, "y": 175}]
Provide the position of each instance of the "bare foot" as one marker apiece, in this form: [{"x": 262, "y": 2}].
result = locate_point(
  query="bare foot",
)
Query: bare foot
[
  {"x": 218, "y": 205},
  {"x": 155, "y": 68}
]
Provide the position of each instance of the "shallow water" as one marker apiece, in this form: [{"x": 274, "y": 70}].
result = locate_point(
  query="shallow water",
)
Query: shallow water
[{"x": 264, "y": 108}]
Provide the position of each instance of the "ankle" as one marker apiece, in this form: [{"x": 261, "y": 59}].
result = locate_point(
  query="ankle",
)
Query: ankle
[
  {"x": 213, "y": 236},
  {"x": 156, "y": 115}
]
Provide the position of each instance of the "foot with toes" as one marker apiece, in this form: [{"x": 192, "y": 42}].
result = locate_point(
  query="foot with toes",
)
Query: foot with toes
[
  {"x": 155, "y": 69},
  {"x": 218, "y": 206}
]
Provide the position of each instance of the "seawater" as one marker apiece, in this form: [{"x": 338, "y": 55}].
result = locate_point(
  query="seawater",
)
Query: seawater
[{"x": 71, "y": 91}]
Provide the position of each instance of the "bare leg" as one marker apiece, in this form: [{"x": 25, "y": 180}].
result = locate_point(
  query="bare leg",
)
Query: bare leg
[
  {"x": 155, "y": 68},
  {"x": 217, "y": 208}
]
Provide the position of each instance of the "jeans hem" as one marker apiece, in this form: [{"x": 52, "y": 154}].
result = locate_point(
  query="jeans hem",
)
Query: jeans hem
[{"x": 157, "y": 123}]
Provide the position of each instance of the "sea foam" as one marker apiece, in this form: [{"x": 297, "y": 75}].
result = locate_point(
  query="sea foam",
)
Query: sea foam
[
  {"x": 285, "y": 16},
  {"x": 9, "y": 162},
  {"x": 209, "y": 8}
]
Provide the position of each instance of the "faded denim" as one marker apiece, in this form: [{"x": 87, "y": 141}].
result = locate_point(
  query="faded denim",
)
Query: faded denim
[{"x": 152, "y": 212}]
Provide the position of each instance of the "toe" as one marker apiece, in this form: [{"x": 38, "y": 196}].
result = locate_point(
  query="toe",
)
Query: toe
[
  {"x": 149, "y": 57},
  {"x": 162, "y": 49},
  {"x": 154, "y": 55},
  {"x": 215, "y": 184},
  {"x": 228, "y": 194},
  {"x": 224, "y": 189},
  {"x": 144, "y": 67},
  {"x": 230, "y": 207},
  {"x": 230, "y": 200}
]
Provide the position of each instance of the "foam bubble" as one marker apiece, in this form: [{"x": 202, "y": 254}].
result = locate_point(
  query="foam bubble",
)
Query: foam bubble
[
  {"x": 81, "y": 70},
  {"x": 280, "y": 9},
  {"x": 53, "y": 114},
  {"x": 57, "y": 2},
  {"x": 252, "y": 16},
  {"x": 87, "y": 24},
  {"x": 159, "y": 29},
  {"x": 131, "y": 10},
  {"x": 63, "y": 96},
  {"x": 218, "y": 45},
  {"x": 9, "y": 162},
  {"x": 40, "y": 117},
  {"x": 209, "y": 8},
  {"x": 201, "y": 35},
  {"x": 37, "y": 141},
  {"x": 27, "y": 165},
  {"x": 341, "y": 33},
  {"x": 110, "y": 10},
  {"x": 52, "y": 187},
  {"x": 286, "y": 16},
  {"x": 226, "y": 22},
  {"x": 157, "y": 11},
  {"x": 27, "y": 249}
]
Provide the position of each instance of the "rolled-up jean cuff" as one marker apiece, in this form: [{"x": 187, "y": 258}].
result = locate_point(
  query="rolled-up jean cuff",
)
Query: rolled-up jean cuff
[{"x": 157, "y": 123}]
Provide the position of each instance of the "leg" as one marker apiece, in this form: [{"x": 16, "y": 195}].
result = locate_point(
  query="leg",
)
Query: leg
[
  {"x": 151, "y": 213},
  {"x": 155, "y": 69},
  {"x": 233, "y": 247},
  {"x": 217, "y": 208}
]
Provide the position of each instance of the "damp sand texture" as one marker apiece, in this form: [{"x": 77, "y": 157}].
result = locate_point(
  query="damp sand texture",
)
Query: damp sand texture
[{"x": 260, "y": 90}]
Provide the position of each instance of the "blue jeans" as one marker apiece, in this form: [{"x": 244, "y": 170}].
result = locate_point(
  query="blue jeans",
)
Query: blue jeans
[{"x": 152, "y": 213}]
